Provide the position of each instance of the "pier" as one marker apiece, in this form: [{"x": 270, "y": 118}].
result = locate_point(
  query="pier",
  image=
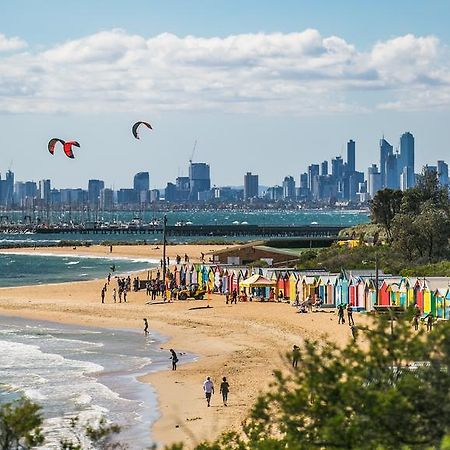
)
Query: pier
[{"x": 286, "y": 231}]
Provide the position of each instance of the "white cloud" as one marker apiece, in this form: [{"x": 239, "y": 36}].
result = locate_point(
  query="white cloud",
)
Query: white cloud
[
  {"x": 10, "y": 44},
  {"x": 299, "y": 73}
]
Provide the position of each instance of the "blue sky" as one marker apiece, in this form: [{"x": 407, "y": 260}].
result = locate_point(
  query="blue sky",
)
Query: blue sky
[{"x": 265, "y": 86}]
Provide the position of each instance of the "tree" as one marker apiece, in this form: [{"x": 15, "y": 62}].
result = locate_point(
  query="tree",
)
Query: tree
[
  {"x": 391, "y": 392},
  {"x": 384, "y": 206},
  {"x": 20, "y": 425}
]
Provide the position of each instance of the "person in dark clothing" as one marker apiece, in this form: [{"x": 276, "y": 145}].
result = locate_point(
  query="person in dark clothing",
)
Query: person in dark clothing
[
  {"x": 145, "y": 327},
  {"x": 429, "y": 322},
  {"x": 224, "y": 389},
  {"x": 416, "y": 322},
  {"x": 174, "y": 359},
  {"x": 234, "y": 297},
  {"x": 350, "y": 315},
  {"x": 341, "y": 318},
  {"x": 295, "y": 356},
  {"x": 103, "y": 295}
]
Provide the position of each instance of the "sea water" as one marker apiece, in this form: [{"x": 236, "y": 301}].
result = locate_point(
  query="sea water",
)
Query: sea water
[
  {"x": 30, "y": 269},
  {"x": 196, "y": 217},
  {"x": 81, "y": 371}
]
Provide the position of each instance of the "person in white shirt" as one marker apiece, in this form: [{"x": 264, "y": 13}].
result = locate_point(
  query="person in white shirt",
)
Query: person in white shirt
[{"x": 208, "y": 388}]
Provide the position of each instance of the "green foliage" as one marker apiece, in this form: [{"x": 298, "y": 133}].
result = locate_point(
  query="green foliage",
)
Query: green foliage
[
  {"x": 20, "y": 425},
  {"x": 391, "y": 392},
  {"x": 384, "y": 206}
]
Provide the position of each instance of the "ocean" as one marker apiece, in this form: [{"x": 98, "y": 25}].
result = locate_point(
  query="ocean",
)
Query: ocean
[
  {"x": 81, "y": 371},
  {"x": 196, "y": 217},
  {"x": 24, "y": 269}
]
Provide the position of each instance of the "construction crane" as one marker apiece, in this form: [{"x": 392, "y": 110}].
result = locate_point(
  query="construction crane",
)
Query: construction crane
[{"x": 193, "y": 152}]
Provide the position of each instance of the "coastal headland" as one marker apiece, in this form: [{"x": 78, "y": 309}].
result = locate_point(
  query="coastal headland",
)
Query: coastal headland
[{"x": 244, "y": 342}]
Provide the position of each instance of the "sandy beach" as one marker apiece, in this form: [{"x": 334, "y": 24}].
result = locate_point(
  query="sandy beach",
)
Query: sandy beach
[{"x": 244, "y": 342}]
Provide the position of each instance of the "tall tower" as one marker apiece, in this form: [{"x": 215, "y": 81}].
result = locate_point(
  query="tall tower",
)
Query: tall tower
[
  {"x": 351, "y": 156},
  {"x": 250, "y": 186},
  {"x": 386, "y": 150},
  {"x": 407, "y": 157}
]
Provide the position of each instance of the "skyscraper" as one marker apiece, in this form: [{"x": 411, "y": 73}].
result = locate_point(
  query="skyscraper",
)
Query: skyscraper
[
  {"x": 141, "y": 184},
  {"x": 351, "y": 156},
  {"x": 313, "y": 170},
  {"x": 251, "y": 186},
  {"x": 337, "y": 167},
  {"x": 94, "y": 188},
  {"x": 199, "y": 179},
  {"x": 44, "y": 191},
  {"x": 442, "y": 172},
  {"x": 289, "y": 188},
  {"x": 373, "y": 180},
  {"x": 386, "y": 150},
  {"x": 324, "y": 168},
  {"x": 406, "y": 158}
]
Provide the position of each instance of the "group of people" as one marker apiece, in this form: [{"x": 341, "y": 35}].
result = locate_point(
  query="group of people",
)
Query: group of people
[
  {"x": 231, "y": 298},
  {"x": 123, "y": 287},
  {"x": 429, "y": 320},
  {"x": 155, "y": 288},
  {"x": 208, "y": 389}
]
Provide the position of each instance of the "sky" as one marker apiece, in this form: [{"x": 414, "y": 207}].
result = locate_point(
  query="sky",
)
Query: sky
[{"x": 262, "y": 86}]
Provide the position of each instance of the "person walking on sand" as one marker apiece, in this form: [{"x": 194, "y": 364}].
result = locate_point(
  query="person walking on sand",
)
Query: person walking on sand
[
  {"x": 227, "y": 296},
  {"x": 416, "y": 322},
  {"x": 234, "y": 297},
  {"x": 174, "y": 359},
  {"x": 208, "y": 389},
  {"x": 125, "y": 295},
  {"x": 114, "y": 295},
  {"x": 145, "y": 327},
  {"x": 341, "y": 318},
  {"x": 110, "y": 249},
  {"x": 429, "y": 322},
  {"x": 109, "y": 277},
  {"x": 103, "y": 295},
  {"x": 350, "y": 315},
  {"x": 224, "y": 389},
  {"x": 295, "y": 356}
]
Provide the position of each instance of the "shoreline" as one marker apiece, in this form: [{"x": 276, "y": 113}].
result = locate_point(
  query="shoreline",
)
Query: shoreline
[{"x": 244, "y": 342}]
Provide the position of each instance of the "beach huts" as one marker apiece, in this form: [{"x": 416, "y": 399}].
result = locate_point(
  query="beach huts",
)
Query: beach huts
[{"x": 358, "y": 288}]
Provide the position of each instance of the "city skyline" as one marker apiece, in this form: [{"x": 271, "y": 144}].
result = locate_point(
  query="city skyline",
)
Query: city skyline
[
  {"x": 321, "y": 183},
  {"x": 249, "y": 81}
]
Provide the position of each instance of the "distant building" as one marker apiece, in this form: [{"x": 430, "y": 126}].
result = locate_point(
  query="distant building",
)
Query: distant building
[
  {"x": 199, "y": 179},
  {"x": 154, "y": 195},
  {"x": 442, "y": 172},
  {"x": 106, "y": 199},
  {"x": 7, "y": 189},
  {"x": 351, "y": 156},
  {"x": 406, "y": 158},
  {"x": 251, "y": 186},
  {"x": 392, "y": 176},
  {"x": 324, "y": 168},
  {"x": 141, "y": 184},
  {"x": 125, "y": 196},
  {"x": 337, "y": 167},
  {"x": 373, "y": 180},
  {"x": 94, "y": 189},
  {"x": 44, "y": 191},
  {"x": 289, "y": 188},
  {"x": 386, "y": 150},
  {"x": 313, "y": 170},
  {"x": 170, "y": 193},
  {"x": 275, "y": 193}
]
